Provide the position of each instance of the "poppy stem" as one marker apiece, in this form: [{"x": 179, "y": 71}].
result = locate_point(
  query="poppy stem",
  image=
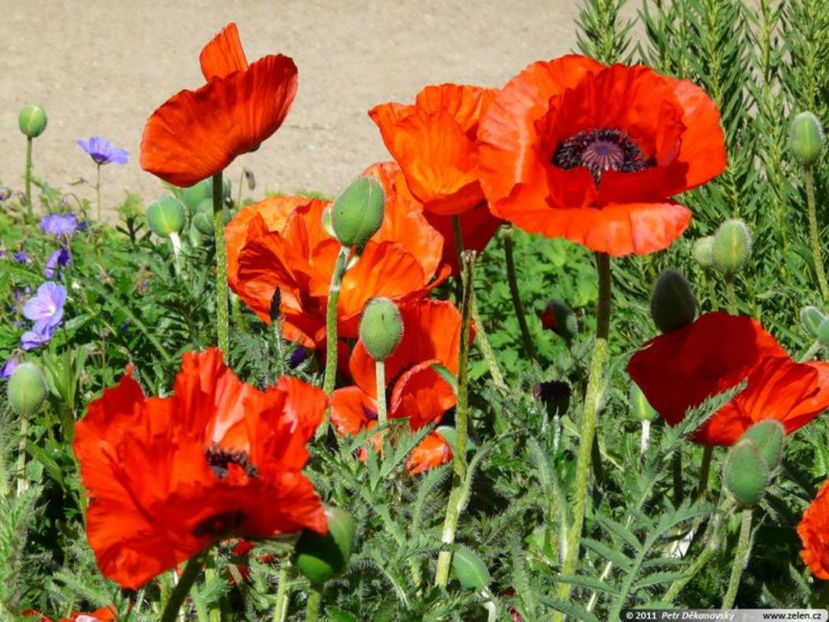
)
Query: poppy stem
[
  {"x": 704, "y": 471},
  {"x": 182, "y": 589},
  {"x": 588, "y": 426},
  {"x": 740, "y": 560},
  {"x": 450, "y": 524},
  {"x": 312, "y": 609},
  {"x": 813, "y": 233},
  {"x": 281, "y": 609},
  {"x": 331, "y": 321},
  {"x": 221, "y": 263},
  {"x": 29, "y": 213},
  {"x": 732, "y": 297},
  {"x": 380, "y": 376},
  {"x": 529, "y": 348},
  {"x": 22, "y": 482}
]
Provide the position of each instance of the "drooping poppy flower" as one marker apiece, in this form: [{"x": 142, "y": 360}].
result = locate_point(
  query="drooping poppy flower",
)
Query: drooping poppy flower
[
  {"x": 196, "y": 134},
  {"x": 168, "y": 477},
  {"x": 415, "y": 390},
  {"x": 434, "y": 143},
  {"x": 680, "y": 369},
  {"x": 297, "y": 256},
  {"x": 571, "y": 148},
  {"x": 813, "y": 530}
]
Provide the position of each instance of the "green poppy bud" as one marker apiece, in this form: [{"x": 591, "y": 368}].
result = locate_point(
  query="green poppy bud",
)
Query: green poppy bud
[
  {"x": 746, "y": 472},
  {"x": 26, "y": 389},
  {"x": 560, "y": 318},
  {"x": 769, "y": 436},
  {"x": 32, "y": 120},
  {"x": 732, "y": 247},
  {"x": 320, "y": 558},
  {"x": 806, "y": 138},
  {"x": 811, "y": 318},
  {"x": 197, "y": 193},
  {"x": 469, "y": 570},
  {"x": 823, "y": 332},
  {"x": 641, "y": 406},
  {"x": 381, "y": 328},
  {"x": 703, "y": 251},
  {"x": 165, "y": 216},
  {"x": 672, "y": 303},
  {"x": 358, "y": 212},
  {"x": 203, "y": 218}
]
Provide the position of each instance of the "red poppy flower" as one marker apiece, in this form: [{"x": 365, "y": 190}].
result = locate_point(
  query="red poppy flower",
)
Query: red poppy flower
[
  {"x": 679, "y": 370},
  {"x": 434, "y": 143},
  {"x": 104, "y": 614},
  {"x": 812, "y": 530},
  {"x": 196, "y": 134},
  {"x": 168, "y": 477},
  {"x": 431, "y": 336},
  {"x": 572, "y": 148},
  {"x": 399, "y": 262}
]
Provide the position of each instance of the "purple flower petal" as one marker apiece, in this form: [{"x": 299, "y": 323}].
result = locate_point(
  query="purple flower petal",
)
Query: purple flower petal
[
  {"x": 46, "y": 307},
  {"x": 35, "y": 338},
  {"x": 59, "y": 224},
  {"x": 102, "y": 152},
  {"x": 59, "y": 259},
  {"x": 8, "y": 368}
]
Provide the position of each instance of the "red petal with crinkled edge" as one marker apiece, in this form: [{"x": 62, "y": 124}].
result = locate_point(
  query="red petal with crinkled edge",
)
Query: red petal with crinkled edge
[
  {"x": 223, "y": 54},
  {"x": 422, "y": 395},
  {"x": 431, "y": 452},
  {"x": 813, "y": 530},
  {"x": 196, "y": 134}
]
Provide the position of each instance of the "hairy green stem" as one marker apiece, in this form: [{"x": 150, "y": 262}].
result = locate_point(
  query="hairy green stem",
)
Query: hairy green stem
[
  {"x": 814, "y": 236},
  {"x": 380, "y": 377},
  {"x": 732, "y": 297},
  {"x": 450, "y": 524},
  {"x": 588, "y": 426},
  {"x": 29, "y": 212},
  {"x": 22, "y": 482},
  {"x": 331, "y": 321},
  {"x": 221, "y": 264},
  {"x": 281, "y": 609},
  {"x": 704, "y": 471},
  {"x": 182, "y": 589},
  {"x": 312, "y": 609},
  {"x": 813, "y": 349},
  {"x": 98, "y": 191},
  {"x": 740, "y": 560},
  {"x": 529, "y": 348}
]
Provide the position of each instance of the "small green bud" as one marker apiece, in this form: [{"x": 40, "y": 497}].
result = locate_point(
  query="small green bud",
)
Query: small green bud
[
  {"x": 358, "y": 212},
  {"x": 26, "y": 389},
  {"x": 559, "y": 318},
  {"x": 746, "y": 472},
  {"x": 703, "y": 251},
  {"x": 732, "y": 247},
  {"x": 320, "y": 558},
  {"x": 197, "y": 193},
  {"x": 165, "y": 216},
  {"x": 672, "y": 303},
  {"x": 203, "y": 218},
  {"x": 381, "y": 328},
  {"x": 823, "y": 332},
  {"x": 806, "y": 138},
  {"x": 194, "y": 235},
  {"x": 32, "y": 120},
  {"x": 769, "y": 436},
  {"x": 641, "y": 406},
  {"x": 469, "y": 570},
  {"x": 811, "y": 318}
]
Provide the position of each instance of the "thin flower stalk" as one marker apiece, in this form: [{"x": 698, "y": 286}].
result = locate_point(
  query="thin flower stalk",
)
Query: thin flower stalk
[
  {"x": 813, "y": 232},
  {"x": 221, "y": 263},
  {"x": 312, "y": 608},
  {"x": 281, "y": 609},
  {"x": 380, "y": 375},
  {"x": 331, "y": 321},
  {"x": 29, "y": 212},
  {"x": 529, "y": 348},
  {"x": 740, "y": 559},
  {"x": 182, "y": 589}
]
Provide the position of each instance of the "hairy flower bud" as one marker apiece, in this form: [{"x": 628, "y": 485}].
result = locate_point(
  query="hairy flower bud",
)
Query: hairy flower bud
[
  {"x": 358, "y": 212},
  {"x": 672, "y": 303},
  {"x": 320, "y": 558},
  {"x": 806, "y": 138},
  {"x": 32, "y": 120},
  {"x": 165, "y": 216},
  {"x": 197, "y": 193},
  {"x": 746, "y": 473},
  {"x": 732, "y": 247},
  {"x": 811, "y": 318},
  {"x": 469, "y": 569},
  {"x": 703, "y": 251},
  {"x": 769, "y": 436},
  {"x": 381, "y": 328},
  {"x": 26, "y": 389},
  {"x": 559, "y": 318}
]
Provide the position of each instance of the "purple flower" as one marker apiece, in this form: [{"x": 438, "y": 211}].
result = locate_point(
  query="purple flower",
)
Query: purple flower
[
  {"x": 59, "y": 224},
  {"x": 38, "y": 336},
  {"x": 8, "y": 368},
  {"x": 5, "y": 193},
  {"x": 21, "y": 257},
  {"x": 100, "y": 150},
  {"x": 59, "y": 259},
  {"x": 45, "y": 309}
]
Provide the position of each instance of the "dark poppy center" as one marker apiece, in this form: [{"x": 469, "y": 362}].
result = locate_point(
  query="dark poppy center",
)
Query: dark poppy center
[
  {"x": 219, "y": 460},
  {"x": 601, "y": 150}
]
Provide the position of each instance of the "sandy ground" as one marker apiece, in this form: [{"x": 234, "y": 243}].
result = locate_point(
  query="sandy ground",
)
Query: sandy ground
[{"x": 100, "y": 67}]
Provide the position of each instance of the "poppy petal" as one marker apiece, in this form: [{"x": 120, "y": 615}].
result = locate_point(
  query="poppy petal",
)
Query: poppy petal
[
  {"x": 223, "y": 54},
  {"x": 431, "y": 452}
]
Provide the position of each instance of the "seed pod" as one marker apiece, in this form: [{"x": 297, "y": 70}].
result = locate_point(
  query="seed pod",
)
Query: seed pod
[
  {"x": 381, "y": 328},
  {"x": 469, "y": 570},
  {"x": 320, "y": 558},
  {"x": 672, "y": 303},
  {"x": 703, "y": 251},
  {"x": 641, "y": 406},
  {"x": 165, "y": 216},
  {"x": 770, "y": 436},
  {"x": 27, "y": 389},
  {"x": 197, "y": 193},
  {"x": 806, "y": 138},
  {"x": 811, "y": 318},
  {"x": 732, "y": 247},
  {"x": 32, "y": 120},
  {"x": 358, "y": 212},
  {"x": 559, "y": 318},
  {"x": 203, "y": 218},
  {"x": 746, "y": 473}
]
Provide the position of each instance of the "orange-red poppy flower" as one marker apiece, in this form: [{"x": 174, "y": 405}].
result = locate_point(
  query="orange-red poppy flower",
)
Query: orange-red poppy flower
[
  {"x": 196, "y": 134},
  {"x": 679, "y": 370},
  {"x": 572, "y": 148},
  {"x": 168, "y": 477},
  {"x": 434, "y": 143},
  {"x": 431, "y": 336},
  {"x": 399, "y": 262},
  {"x": 813, "y": 530},
  {"x": 104, "y": 614}
]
